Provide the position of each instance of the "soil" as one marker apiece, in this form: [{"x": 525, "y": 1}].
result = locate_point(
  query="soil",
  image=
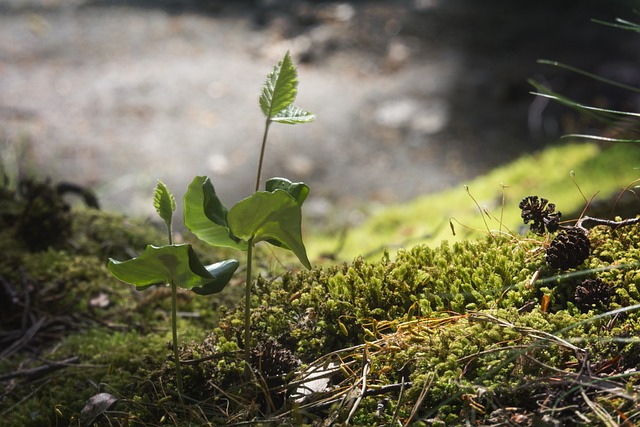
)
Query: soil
[{"x": 411, "y": 96}]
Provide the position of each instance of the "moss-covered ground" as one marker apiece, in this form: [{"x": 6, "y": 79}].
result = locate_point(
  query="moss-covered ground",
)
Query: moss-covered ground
[
  {"x": 566, "y": 174},
  {"x": 476, "y": 331}
]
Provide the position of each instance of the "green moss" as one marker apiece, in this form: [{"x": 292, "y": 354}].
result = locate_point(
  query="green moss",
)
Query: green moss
[
  {"x": 425, "y": 219},
  {"x": 449, "y": 319},
  {"x": 463, "y": 322},
  {"x": 108, "y": 361},
  {"x": 112, "y": 235},
  {"x": 59, "y": 301},
  {"x": 383, "y": 291},
  {"x": 475, "y": 340}
]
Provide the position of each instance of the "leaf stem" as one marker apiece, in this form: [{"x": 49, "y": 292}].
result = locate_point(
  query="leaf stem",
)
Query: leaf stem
[
  {"x": 262, "y": 150},
  {"x": 174, "y": 321},
  {"x": 247, "y": 304},
  {"x": 247, "y": 294},
  {"x": 174, "y": 332}
]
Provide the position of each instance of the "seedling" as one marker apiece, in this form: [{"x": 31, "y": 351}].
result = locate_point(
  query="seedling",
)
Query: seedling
[
  {"x": 273, "y": 215},
  {"x": 173, "y": 265}
]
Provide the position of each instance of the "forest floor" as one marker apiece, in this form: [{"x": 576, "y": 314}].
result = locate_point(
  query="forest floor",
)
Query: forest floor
[{"x": 411, "y": 97}]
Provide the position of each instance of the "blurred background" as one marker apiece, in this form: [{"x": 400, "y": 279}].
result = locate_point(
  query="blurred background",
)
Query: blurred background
[{"x": 411, "y": 96}]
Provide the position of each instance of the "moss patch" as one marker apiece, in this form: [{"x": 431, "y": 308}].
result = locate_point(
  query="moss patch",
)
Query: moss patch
[
  {"x": 463, "y": 329},
  {"x": 480, "y": 331},
  {"x": 68, "y": 329},
  {"x": 598, "y": 172}
]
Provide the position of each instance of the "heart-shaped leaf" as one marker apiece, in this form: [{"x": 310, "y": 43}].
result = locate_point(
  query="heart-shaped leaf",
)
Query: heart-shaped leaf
[
  {"x": 270, "y": 216},
  {"x": 298, "y": 190},
  {"x": 206, "y": 216},
  {"x": 223, "y": 270},
  {"x": 176, "y": 264}
]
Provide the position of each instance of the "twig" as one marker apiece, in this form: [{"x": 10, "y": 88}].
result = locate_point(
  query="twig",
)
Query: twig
[
  {"x": 600, "y": 413},
  {"x": 24, "y": 339},
  {"x": 28, "y": 396},
  {"x": 366, "y": 367},
  {"x": 400, "y": 396},
  {"x": 31, "y": 374},
  {"x": 315, "y": 373},
  {"x": 423, "y": 394},
  {"x": 607, "y": 222}
]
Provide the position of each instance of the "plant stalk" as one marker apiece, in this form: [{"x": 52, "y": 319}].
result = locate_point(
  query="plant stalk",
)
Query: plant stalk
[
  {"x": 262, "y": 150},
  {"x": 174, "y": 323},
  {"x": 247, "y": 304},
  {"x": 247, "y": 294},
  {"x": 174, "y": 332},
  {"x": 170, "y": 232}
]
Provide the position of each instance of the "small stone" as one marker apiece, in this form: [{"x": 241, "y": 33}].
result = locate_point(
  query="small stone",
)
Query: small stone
[{"x": 96, "y": 406}]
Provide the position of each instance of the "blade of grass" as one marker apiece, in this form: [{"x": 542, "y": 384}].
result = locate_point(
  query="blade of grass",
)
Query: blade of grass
[
  {"x": 600, "y": 413},
  {"x": 588, "y": 74},
  {"x": 601, "y": 138},
  {"x": 620, "y": 23}
]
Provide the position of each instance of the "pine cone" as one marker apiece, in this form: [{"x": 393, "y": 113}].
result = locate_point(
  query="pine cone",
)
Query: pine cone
[
  {"x": 275, "y": 363},
  {"x": 593, "y": 293},
  {"x": 540, "y": 213},
  {"x": 273, "y": 360},
  {"x": 569, "y": 249}
]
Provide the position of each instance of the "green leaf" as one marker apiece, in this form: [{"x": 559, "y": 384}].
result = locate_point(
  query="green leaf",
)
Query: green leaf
[
  {"x": 280, "y": 89},
  {"x": 206, "y": 216},
  {"x": 298, "y": 190},
  {"x": 223, "y": 270},
  {"x": 164, "y": 202},
  {"x": 176, "y": 264},
  {"x": 270, "y": 216},
  {"x": 293, "y": 115}
]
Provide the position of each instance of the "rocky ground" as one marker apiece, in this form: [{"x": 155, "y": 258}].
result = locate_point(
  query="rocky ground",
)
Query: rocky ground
[{"x": 411, "y": 96}]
